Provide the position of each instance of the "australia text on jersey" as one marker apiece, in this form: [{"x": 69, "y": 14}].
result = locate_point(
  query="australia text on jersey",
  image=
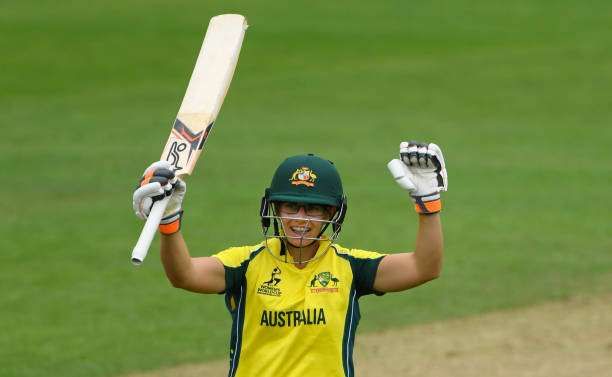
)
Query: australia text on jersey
[{"x": 293, "y": 318}]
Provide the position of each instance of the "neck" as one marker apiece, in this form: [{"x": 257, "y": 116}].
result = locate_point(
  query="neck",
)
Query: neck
[{"x": 304, "y": 253}]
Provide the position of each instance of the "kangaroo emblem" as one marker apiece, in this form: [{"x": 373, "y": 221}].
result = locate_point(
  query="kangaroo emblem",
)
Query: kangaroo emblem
[{"x": 313, "y": 281}]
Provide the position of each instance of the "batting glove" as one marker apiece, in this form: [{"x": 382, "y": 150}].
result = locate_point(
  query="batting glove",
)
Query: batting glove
[
  {"x": 421, "y": 171},
  {"x": 158, "y": 181}
]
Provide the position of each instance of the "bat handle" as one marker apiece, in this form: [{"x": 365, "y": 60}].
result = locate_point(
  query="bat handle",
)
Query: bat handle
[{"x": 148, "y": 231}]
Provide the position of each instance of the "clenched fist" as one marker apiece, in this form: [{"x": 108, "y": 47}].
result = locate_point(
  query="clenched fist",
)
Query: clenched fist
[
  {"x": 421, "y": 171},
  {"x": 157, "y": 182}
]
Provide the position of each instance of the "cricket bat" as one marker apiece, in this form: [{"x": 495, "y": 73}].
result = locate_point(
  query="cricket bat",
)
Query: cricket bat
[{"x": 205, "y": 93}]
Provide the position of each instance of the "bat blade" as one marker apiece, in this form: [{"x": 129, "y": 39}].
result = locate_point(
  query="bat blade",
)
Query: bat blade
[
  {"x": 206, "y": 91},
  {"x": 203, "y": 98}
]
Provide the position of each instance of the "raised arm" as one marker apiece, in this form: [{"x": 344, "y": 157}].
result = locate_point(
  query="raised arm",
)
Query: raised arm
[
  {"x": 422, "y": 172},
  {"x": 203, "y": 275},
  {"x": 398, "y": 272}
]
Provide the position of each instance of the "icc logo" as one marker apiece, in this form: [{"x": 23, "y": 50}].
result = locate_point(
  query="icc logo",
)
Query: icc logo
[
  {"x": 269, "y": 287},
  {"x": 273, "y": 278}
]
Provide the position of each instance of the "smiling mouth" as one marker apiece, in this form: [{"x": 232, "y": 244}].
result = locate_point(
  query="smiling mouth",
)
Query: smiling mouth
[{"x": 300, "y": 229}]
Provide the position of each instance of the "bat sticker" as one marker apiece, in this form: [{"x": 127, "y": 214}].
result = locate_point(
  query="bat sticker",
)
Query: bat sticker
[
  {"x": 206, "y": 132},
  {"x": 182, "y": 131},
  {"x": 174, "y": 156}
]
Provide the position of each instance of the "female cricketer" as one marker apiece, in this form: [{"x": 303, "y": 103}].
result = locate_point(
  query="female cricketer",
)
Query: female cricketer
[{"x": 294, "y": 297}]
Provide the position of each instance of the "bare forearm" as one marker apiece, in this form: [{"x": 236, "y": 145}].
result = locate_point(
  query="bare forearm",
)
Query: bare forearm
[
  {"x": 429, "y": 245},
  {"x": 175, "y": 258}
]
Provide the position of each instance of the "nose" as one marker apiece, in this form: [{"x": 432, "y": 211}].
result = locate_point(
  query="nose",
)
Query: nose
[{"x": 301, "y": 211}]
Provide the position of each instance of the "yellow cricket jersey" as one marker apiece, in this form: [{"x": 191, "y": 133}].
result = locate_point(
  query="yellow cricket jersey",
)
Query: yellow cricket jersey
[{"x": 291, "y": 322}]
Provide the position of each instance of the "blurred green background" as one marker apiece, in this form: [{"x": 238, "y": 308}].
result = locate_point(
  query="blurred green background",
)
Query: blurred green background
[{"x": 517, "y": 94}]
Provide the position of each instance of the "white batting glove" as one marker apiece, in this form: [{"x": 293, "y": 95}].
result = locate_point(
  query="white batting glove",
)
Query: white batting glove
[
  {"x": 157, "y": 182},
  {"x": 421, "y": 171}
]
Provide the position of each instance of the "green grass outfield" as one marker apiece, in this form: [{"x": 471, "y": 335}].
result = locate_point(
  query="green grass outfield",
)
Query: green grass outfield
[{"x": 518, "y": 95}]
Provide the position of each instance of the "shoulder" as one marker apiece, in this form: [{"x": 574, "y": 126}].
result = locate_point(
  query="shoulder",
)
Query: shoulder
[
  {"x": 364, "y": 265},
  {"x": 357, "y": 253},
  {"x": 237, "y": 255}
]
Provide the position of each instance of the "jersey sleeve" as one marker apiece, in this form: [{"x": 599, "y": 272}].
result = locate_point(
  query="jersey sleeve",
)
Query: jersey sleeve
[
  {"x": 235, "y": 261},
  {"x": 365, "y": 265}
]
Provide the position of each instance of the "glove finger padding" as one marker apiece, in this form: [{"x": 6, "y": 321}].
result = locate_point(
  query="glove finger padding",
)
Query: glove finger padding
[
  {"x": 438, "y": 160},
  {"x": 176, "y": 201},
  {"x": 162, "y": 164},
  {"x": 425, "y": 158},
  {"x": 421, "y": 171},
  {"x": 143, "y": 198},
  {"x": 401, "y": 174},
  {"x": 157, "y": 182},
  {"x": 160, "y": 171}
]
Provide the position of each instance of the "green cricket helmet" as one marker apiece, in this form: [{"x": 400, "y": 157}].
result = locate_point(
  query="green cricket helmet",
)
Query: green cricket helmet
[{"x": 306, "y": 179}]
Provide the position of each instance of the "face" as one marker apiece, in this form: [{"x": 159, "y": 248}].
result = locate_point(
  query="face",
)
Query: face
[{"x": 306, "y": 223}]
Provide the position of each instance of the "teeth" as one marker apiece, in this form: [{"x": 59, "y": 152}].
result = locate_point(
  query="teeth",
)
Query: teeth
[{"x": 300, "y": 229}]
